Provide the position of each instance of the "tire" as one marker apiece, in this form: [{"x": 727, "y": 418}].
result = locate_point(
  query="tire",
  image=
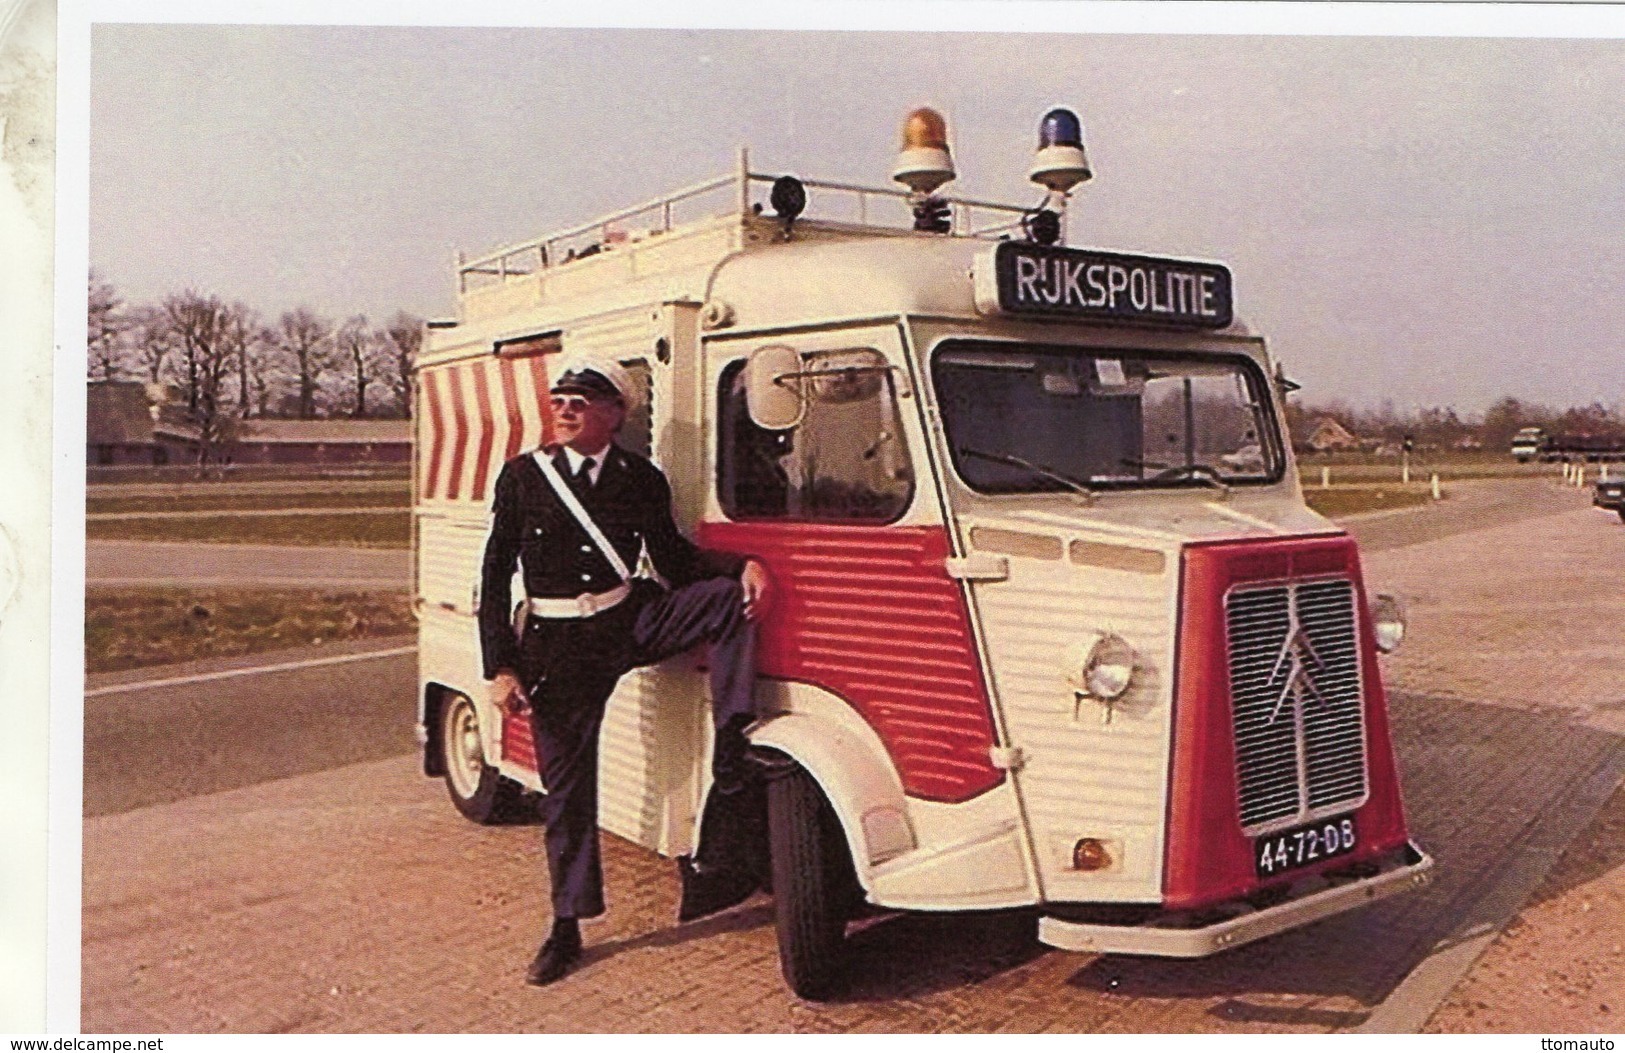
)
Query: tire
[
  {"x": 812, "y": 876},
  {"x": 479, "y": 791},
  {"x": 1622, "y": 514}
]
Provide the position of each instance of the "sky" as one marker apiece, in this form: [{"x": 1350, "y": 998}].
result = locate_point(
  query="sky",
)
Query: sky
[{"x": 1427, "y": 220}]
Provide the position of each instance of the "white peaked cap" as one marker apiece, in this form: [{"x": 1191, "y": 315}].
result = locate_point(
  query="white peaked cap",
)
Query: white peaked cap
[{"x": 608, "y": 368}]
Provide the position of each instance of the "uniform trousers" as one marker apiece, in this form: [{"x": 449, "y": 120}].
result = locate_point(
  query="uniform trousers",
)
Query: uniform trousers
[{"x": 569, "y": 668}]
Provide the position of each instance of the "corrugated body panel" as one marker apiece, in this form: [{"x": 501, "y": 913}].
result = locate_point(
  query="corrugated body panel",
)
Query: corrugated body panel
[
  {"x": 1083, "y": 776},
  {"x": 449, "y": 555},
  {"x": 870, "y": 614},
  {"x": 518, "y": 743},
  {"x": 647, "y": 755},
  {"x": 448, "y": 651},
  {"x": 648, "y": 751}
]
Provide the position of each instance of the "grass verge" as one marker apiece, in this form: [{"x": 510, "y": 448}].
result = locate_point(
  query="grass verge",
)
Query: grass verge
[
  {"x": 1347, "y": 501},
  {"x": 385, "y": 529},
  {"x": 127, "y": 628}
]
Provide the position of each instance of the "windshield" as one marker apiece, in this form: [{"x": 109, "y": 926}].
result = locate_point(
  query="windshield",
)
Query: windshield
[{"x": 1022, "y": 418}]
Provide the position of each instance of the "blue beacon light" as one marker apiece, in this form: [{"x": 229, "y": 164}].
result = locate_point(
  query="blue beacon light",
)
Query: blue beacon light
[
  {"x": 1060, "y": 163},
  {"x": 1060, "y": 127}
]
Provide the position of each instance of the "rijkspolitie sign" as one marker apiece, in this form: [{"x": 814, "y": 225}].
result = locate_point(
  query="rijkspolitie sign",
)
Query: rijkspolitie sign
[{"x": 1018, "y": 278}]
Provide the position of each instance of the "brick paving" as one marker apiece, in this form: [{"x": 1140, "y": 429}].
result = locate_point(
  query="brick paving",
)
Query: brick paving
[
  {"x": 355, "y": 899},
  {"x": 1560, "y": 966}
]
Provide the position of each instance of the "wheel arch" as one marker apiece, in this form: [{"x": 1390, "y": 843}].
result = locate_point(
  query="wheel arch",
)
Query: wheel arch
[
  {"x": 433, "y": 707},
  {"x": 846, "y": 759}
]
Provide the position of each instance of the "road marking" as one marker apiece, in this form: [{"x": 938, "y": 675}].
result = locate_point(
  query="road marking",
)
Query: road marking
[{"x": 227, "y": 674}]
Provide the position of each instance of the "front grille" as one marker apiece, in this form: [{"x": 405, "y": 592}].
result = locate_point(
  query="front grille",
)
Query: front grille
[{"x": 1295, "y": 700}]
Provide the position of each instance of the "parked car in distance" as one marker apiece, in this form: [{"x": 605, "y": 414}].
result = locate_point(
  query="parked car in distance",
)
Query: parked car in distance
[{"x": 1610, "y": 495}]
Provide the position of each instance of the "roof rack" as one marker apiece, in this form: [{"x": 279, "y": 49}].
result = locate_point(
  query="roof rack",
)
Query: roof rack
[{"x": 968, "y": 217}]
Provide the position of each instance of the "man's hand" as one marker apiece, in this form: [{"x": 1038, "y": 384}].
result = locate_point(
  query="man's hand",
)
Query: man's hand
[
  {"x": 507, "y": 694},
  {"x": 756, "y": 585}
]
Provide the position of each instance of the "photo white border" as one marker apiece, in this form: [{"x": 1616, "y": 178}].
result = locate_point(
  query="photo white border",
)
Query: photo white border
[{"x": 76, "y": 17}]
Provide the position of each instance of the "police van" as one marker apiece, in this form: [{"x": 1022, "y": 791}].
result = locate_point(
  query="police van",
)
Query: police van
[{"x": 1052, "y": 626}]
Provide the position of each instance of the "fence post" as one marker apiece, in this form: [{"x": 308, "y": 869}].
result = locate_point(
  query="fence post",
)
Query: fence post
[
  {"x": 1435, "y": 486},
  {"x": 1325, "y": 477}
]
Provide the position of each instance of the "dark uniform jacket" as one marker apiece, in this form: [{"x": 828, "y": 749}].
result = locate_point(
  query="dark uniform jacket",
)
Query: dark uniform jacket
[{"x": 631, "y": 503}]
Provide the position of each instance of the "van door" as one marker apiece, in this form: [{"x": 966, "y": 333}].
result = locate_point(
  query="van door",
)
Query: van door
[{"x": 842, "y": 511}]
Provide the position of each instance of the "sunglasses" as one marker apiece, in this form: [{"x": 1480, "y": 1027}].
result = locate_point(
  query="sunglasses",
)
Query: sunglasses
[{"x": 573, "y": 403}]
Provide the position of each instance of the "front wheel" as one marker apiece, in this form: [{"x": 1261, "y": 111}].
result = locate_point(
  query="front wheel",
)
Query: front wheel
[
  {"x": 812, "y": 873},
  {"x": 479, "y": 791}
]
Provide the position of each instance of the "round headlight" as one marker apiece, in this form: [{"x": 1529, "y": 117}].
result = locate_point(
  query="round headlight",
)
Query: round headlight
[
  {"x": 1104, "y": 666},
  {"x": 1387, "y": 622}
]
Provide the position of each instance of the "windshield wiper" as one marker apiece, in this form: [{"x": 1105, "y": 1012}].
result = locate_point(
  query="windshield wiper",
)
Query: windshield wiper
[
  {"x": 1202, "y": 473},
  {"x": 1075, "y": 485}
]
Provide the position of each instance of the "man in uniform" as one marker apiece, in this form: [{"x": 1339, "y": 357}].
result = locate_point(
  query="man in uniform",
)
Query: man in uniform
[{"x": 585, "y": 625}]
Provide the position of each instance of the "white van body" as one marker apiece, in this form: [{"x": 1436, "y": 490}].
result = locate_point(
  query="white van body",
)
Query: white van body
[{"x": 921, "y": 659}]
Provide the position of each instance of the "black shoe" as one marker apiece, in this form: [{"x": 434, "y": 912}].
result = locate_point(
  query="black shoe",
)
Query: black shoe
[{"x": 554, "y": 959}]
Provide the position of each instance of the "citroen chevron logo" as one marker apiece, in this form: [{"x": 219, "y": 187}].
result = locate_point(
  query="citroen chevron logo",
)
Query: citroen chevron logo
[{"x": 1294, "y": 665}]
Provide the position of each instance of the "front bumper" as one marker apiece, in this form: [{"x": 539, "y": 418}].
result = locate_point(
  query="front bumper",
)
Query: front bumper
[{"x": 1189, "y": 934}]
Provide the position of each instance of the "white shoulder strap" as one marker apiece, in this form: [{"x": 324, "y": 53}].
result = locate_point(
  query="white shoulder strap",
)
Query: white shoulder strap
[{"x": 568, "y": 496}]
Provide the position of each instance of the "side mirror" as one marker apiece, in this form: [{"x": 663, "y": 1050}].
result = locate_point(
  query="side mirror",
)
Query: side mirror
[{"x": 773, "y": 387}]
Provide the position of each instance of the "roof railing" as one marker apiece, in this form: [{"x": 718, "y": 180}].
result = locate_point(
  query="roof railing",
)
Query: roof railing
[{"x": 968, "y": 217}]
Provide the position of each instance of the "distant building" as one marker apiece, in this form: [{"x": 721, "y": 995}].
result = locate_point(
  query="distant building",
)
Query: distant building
[
  {"x": 1331, "y": 437},
  {"x": 336, "y": 441},
  {"x": 131, "y": 423}
]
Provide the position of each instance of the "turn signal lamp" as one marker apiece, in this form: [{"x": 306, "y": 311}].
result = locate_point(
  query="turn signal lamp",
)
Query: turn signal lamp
[
  {"x": 1388, "y": 623},
  {"x": 923, "y": 164},
  {"x": 1060, "y": 163},
  {"x": 1091, "y": 854}
]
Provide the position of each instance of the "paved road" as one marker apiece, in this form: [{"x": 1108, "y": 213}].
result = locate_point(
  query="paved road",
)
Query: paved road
[
  {"x": 246, "y": 513},
  {"x": 178, "y": 563},
  {"x": 354, "y": 898},
  {"x": 1471, "y": 505},
  {"x": 324, "y": 707}
]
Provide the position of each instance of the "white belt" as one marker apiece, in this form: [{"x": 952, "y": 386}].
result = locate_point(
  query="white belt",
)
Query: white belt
[{"x": 583, "y": 606}]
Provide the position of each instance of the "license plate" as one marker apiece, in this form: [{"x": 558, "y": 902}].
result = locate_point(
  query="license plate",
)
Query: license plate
[{"x": 1273, "y": 854}]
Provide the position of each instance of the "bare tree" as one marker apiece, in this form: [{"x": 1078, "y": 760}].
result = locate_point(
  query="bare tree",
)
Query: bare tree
[
  {"x": 267, "y": 376},
  {"x": 202, "y": 326},
  {"x": 357, "y": 344},
  {"x": 152, "y": 340},
  {"x": 241, "y": 330},
  {"x": 403, "y": 339},
  {"x": 195, "y": 322},
  {"x": 306, "y": 338},
  {"x": 105, "y": 325}
]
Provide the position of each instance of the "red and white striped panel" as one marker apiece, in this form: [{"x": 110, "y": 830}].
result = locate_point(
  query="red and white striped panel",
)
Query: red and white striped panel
[{"x": 475, "y": 416}]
